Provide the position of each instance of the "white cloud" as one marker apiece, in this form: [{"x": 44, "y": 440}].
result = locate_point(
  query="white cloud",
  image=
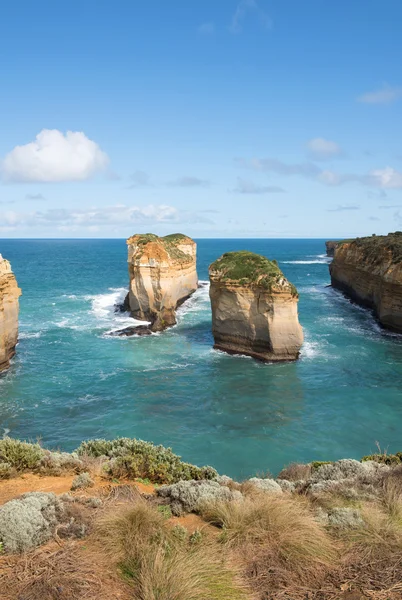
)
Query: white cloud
[
  {"x": 101, "y": 218},
  {"x": 343, "y": 207},
  {"x": 386, "y": 95},
  {"x": 243, "y": 8},
  {"x": 322, "y": 149},
  {"x": 35, "y": 197},
  {"x": 244, "y": 186},
  {"x": 387, "y": 178},
  {"x": 54, "y": 157}
]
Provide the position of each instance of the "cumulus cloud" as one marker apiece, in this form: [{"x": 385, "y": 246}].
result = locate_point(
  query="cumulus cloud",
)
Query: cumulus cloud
[
  {"x": 386, "y": 178},
  {"x": 322, "y": 149},
  {"x": 244, "y": 7},
  {"x": 189, "y": 181},
  {"x": 386, "y": 95},
  {"x": 244, "y": 186},
  {"x": 54, "y": 157},
  {"x": 206, "y": 28},
  {"x": 101, "y": 218}
]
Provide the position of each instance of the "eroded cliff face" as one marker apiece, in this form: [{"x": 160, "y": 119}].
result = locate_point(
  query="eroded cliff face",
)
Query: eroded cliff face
[
  {"x": 369, "y": 270},
  {"x": 254, "y": 310},
  {"x": 9, "y": 294},
  {"x": 163, "y": 275},
  {"x": 331, "y": 246}
]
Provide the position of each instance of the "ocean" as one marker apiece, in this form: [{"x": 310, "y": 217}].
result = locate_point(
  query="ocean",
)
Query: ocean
[{"x": 70, "y": 381}]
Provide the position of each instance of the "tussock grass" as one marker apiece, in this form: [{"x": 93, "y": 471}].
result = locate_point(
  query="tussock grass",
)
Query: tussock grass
[
  {"x": 276, "y": 539},
  {"x": 163, "y": 565},
  {"x": 295, "y": 472}
]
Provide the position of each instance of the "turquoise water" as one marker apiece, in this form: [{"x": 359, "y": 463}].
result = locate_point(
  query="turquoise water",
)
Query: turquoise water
[{"x": 70, "y": 381}]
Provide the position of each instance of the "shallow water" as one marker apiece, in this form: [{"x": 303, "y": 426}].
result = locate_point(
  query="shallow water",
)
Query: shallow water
[{"x": 70, "y": 381}]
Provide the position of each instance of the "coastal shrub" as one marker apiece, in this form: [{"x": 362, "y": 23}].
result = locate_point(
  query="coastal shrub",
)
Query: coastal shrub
[
  {"x": 6, "y": 470},
  {"x": 296, "y": 472},
  {"x": 348, "y": 469},
  {"x": 54, "y": 463},
  {"x": 276, "y": 539},
  {"x": 161, "y": 564},
  {"x": 20, "y": 455},
  {"x": 139, "y": 459},
  {"x": 345, "y": 518},
  {"x": 386, "y": 459},
  {"x": 266, "y": 485},
  {"x": 82, "y": 481},
  {"x": 190, "y": 496},
  {"x": 29, "y": 521}
]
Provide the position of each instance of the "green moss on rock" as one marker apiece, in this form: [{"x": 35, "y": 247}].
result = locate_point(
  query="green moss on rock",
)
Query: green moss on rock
[
  {"x": 248, "y": 268},
  {"x": 168, "y": 242}
]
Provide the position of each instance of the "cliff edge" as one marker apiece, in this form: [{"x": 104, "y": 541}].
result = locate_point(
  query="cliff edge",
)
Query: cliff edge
[
  {"x": 163, "y": 274},
  {"x": 9, "y": 307},
  {"x": 369, "y": 270},
  {"x": 254, "y": 308}
]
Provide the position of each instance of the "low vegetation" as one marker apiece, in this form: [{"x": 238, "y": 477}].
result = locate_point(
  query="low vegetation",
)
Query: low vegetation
[
  {"x": 323, "y": 531},
  {"x": 248, "y": 268},
  {"x": 169, "y": 243},
  {"x": 375, "y": 247}
]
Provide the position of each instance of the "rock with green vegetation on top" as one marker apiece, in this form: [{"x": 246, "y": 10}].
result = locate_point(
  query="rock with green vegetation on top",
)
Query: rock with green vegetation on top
[
  {"x": 163, "y": 274},
  {"x": 254, "y": 308}
]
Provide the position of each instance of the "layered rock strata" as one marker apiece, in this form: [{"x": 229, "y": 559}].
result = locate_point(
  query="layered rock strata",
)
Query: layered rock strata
[
  {"x": 162, "y": 275},
  {"x": 369, "y": 271},
  {"x": 9, "y": 294},
  {"x": 254, "y": 308}
]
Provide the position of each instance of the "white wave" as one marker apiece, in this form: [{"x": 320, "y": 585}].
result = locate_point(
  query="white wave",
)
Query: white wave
[
  {"x": 24, "y": 335},
  {"x": 198, "y": 301},
  {"x": 310, "y": 349},
  {"x": 305, "y": 262},
  {"x": 5, "y": 432}
]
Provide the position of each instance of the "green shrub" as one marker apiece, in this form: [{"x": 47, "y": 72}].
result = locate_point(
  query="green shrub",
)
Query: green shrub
[
  {"x": 386, "y": 459},
  {"x": 20, "y": 455},
  {"x": 139, "y": 459},
  {"x": 316, "y": 464},
  {"x": 165, "y": 511}
]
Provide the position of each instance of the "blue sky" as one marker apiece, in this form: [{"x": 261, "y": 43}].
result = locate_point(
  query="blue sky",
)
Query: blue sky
[{"x": 229, "y": 118}]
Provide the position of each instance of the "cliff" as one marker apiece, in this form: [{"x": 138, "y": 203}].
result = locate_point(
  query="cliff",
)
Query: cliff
[
  {"x": 162, "y": 275},
  {"x": 254, "y": 308},
  {"x": 369, "y": 270},
  {"x": 9, "y": 294},
  {"x": 331, "y": 246}
]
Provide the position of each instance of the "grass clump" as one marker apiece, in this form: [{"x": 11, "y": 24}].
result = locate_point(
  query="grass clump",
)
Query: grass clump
[
  {"x": 277, "y": 539},
  {"x": 134, "y": 458},
  {"x": 248, "y": 268},
  {"x": 21, "y": 456},
  {"x": 162, "y": 565}
]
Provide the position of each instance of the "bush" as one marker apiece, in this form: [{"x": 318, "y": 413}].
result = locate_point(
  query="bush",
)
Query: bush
[
  {"x": 189, "y": 496},
  {"x": 296, "y": 472},
  {"x": 266, "y": 485},
  {"x": 386, "y": 459},
  {"x": 29, "y": 521},
  {"x": 138, "y": 459},
  {"x": 20, "y": 455},
  {"x": 82, "y": 481}
]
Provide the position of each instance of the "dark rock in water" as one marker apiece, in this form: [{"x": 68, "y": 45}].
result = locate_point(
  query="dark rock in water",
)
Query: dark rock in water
[
  {"x": 128, "y": 331},
  {"x": 123, "y": 306},
  {"x": 202, "y": 284}
]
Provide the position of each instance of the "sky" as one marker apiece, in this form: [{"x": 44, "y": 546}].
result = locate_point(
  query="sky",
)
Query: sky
[{"x": 229, "y": 118}]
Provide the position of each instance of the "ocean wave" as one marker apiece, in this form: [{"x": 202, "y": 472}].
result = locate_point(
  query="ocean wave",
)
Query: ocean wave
[
  {"x": 198, "y": 301},
  {"x": 25, "y": 335},
  {"x": 305, "y": 262}
]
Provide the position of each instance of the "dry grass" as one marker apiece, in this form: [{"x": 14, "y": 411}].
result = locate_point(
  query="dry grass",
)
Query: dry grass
[
  {"x": 295, "y": 472},
  {"x": 277, "y": 540},
  {"x": 162, "y": 565}
]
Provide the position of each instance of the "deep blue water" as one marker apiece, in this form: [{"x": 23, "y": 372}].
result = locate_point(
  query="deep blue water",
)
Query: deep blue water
[{"x": 71, "y": 382}]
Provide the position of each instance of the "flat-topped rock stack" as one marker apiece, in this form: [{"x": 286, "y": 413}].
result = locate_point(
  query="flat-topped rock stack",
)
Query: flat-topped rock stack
[
  {"x": 9, "y": 308},
  {"x": 254, "y": 308},
  {"x": 369, "y": 271},
  {"x": 163, "y": 274}
]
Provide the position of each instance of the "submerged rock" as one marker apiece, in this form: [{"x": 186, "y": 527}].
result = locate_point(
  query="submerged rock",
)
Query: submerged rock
[
  {"x": 254, "y": 308},
  {"x": 9, "y": 307},
  {"x": 369, "y": 271},
  {"x": 129, "y": 331},
  {"x": 162, "y": 275}
]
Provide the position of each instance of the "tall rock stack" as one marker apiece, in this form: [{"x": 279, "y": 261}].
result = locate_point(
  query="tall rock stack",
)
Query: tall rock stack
[
  {"x": 163, "y": 274},
  {"x": 254, "y": 308},
  {"x": 9, "y": 307},
  {"x": 369, "y": 270}
]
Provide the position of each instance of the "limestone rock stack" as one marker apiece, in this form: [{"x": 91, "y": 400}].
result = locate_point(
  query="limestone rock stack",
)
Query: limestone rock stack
[
  {"x": 254, "y": 308},
  {"x": 369, "y": 270},
  {"x": 163, "y": 274},
  {"x": 9, "y": 294}
]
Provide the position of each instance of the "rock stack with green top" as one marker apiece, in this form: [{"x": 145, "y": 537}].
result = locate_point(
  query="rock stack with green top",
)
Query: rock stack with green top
[
  {"x": 254, "y": 308},
  {"x": 163, "y": 275}
]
